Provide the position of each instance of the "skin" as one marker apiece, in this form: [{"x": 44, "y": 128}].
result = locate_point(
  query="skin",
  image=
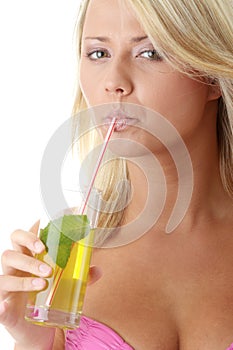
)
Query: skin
[
  {"x": 17, "y": 265},
  {"x": 160, "y": 292},
  {"x": 125, "y": 73}
]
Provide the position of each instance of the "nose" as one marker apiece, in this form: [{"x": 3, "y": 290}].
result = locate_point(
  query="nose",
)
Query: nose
[{"x": 118, "y": 80}]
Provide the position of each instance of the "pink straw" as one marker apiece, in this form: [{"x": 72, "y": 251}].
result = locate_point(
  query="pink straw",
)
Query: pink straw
[
  {"x": 105, "y": 144},
  {"x": 101, "y": 155}
]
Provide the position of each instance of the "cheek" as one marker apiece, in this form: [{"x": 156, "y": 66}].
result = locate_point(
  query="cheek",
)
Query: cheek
[
  {"x": 181, "y": 101},
  {"x": 177, "y": 98}
]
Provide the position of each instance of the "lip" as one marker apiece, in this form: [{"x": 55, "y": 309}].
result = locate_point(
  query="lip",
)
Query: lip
[{"x": 123, "y": 120}]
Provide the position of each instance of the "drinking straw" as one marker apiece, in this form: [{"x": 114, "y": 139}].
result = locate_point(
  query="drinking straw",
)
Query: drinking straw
[
  {"x": 101, "y": 155},
  {"x": 58, "y": 275}
]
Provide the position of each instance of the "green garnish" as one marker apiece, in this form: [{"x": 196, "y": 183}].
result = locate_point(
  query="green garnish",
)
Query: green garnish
[{"x": 67, "y": 229}]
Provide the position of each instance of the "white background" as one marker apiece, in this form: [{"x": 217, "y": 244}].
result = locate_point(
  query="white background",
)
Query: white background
[{"x": 37, "y": 74}]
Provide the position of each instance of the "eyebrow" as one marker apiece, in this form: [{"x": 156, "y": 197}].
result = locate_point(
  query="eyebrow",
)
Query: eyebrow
[{"x": 106, "y": 39}]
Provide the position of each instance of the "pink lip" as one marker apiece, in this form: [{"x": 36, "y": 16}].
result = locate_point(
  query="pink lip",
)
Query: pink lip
[{"x": 123, "y": 121}]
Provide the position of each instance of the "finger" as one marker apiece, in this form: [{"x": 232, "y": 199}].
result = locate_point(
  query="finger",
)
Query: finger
[
  {"x": 95, "y": 273},
  {"x": 13, "y": 261},
  {"x": 35, "y": 227},
  {"x": 26, "y": 242},
  {"x": 20, "y": 284}
]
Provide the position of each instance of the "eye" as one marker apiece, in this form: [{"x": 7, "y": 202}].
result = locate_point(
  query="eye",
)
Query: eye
[
  {"x": 97, "y": 54},
  {"x": 151, "y": 55}
]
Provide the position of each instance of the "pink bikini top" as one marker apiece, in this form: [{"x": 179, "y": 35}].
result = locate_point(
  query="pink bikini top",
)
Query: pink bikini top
[{"x": 92, "y": 335}]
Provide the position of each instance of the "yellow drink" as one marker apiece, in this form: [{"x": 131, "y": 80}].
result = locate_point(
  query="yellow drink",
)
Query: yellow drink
[{"x": 61, "y": 303}]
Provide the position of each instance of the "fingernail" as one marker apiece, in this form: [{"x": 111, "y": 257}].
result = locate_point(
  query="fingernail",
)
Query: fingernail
[
  {"x": 45, "y": 269},
  {"x": 38, "y": 283},
  {"x": 38, "y": 247}
]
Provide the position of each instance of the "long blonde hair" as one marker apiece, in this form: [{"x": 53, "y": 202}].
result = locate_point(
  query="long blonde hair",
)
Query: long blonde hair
[
  {"x": 197, "y": 36},
  {"x": 194, "y": 36}
]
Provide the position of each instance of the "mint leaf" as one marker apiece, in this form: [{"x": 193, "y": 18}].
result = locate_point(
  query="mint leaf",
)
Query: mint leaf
[{"x": 60, "y": 234}]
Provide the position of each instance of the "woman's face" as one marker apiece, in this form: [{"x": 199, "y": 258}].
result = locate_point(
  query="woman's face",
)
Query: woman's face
[{"x": 120, "y": 64}]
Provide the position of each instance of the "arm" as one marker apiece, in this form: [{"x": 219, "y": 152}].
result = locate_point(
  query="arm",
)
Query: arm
[
  {"x": 56, "y": 341},
  {"x": 34, "y": 346},
  {"x": 59, "y": 340},
  {"x": 20, "y": 270},
  {"x": 19, "y": 266}
]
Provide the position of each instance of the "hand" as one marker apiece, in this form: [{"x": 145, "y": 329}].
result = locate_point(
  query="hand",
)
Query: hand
[{"x": 18, "y": 265}]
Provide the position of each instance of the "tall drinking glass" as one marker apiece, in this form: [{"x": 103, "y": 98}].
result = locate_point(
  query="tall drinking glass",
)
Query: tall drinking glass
[{"x": 68, "y": 238}]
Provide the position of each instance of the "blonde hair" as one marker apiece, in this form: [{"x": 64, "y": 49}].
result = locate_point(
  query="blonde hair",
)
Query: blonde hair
[
  {"x": 197, "y": 36},
  {"x": 194, "y": 36}
]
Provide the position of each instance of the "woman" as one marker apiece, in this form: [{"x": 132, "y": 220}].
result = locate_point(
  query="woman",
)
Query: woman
[{"x": 160, "y": 291}]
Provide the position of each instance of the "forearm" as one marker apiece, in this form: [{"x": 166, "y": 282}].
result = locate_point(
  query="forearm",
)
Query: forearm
[
  {"x": 33, "y": 346},
  {"x": 43, "y": 343}
]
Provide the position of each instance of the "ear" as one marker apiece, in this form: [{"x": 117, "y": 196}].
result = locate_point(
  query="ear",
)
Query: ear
[{"x": 214, "y": 91}]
